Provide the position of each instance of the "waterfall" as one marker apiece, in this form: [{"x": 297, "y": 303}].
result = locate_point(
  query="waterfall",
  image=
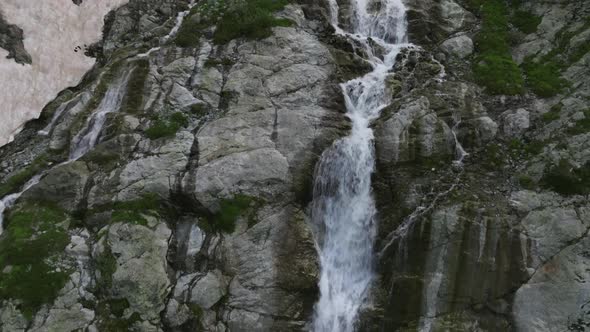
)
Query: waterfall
[
  {"x": 58, "y": 112},
  {"x": 87, "y": 138},
  {"x": 343, "y": 207},
  {"x": 172, "y": 33}
]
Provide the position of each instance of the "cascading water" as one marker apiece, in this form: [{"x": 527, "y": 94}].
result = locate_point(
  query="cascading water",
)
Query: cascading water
[
  {"x": 87, "y": 138},
  {"x": 343, "y": 207},
  {"x": 172, "y": 33},
  {"x": 58, "y": 112}
]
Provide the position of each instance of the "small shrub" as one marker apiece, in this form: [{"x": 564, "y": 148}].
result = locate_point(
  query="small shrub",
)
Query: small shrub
[{"x": 565, "y": 179}]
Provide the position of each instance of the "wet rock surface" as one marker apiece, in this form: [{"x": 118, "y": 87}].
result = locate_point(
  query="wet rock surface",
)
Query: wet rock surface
[{"x": 191, "y": 212}]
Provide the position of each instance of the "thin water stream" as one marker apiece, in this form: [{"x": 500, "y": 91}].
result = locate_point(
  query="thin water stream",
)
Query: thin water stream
[
  {"x": 88, "y": 137},
  {"x": 85, "y": 140}
]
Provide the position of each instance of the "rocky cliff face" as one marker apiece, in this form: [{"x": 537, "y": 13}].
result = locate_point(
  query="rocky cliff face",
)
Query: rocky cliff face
[{"x": 170, "y": 190}]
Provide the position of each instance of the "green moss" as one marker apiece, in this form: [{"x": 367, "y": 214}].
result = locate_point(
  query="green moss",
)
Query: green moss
[
  {"x": 15, "y": 182},
  {"x": 28, "y": 247},
  {"x": 493, "y": 65},
  {"x": 566, "y": 179},
  {"x": 525, "y": 21},
  {"x": 199, "y": 110},
  {"x": 581, "y": 126},
  {"x": 189, "y": 34},
  {"x": 251, "y": 19},
  {"x": 494, "y": 157},
  {"x": 102, "y": 157},
  {"x": 226, "y": 62},
  {"x": 106, "y": 265},
  {"x": 224, "y": 220},
  {"x": 134, "y": 211},
  {"x": 544, "y": 77},
  {"x": 229, "y": 211},
  {"x": 526, "y": 182},
  {"x": 109, "y": 316},
  {"x": 499, "y": 74},
  {"x": 534, "y": 147},
  {"x": 118, "y": 306},
  {"x": 134, "y": 96},
  {"x": 553, "y": 114},
  {"x": 167, "y": 127}
]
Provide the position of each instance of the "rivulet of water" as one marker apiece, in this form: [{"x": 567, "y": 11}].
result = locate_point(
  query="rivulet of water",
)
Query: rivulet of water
[
  {"x": 87, "y": 138},
  {"x": 343, "y": 207}
]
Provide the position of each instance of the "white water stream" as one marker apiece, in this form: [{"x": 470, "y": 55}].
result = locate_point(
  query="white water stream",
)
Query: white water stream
[
  {"x": 86, "y": 139},
  {"x": 172, "y": 33},
  {"x": 343, "y": 207}
]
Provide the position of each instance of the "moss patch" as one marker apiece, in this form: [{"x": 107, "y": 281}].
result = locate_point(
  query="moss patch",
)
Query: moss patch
[
  {"x": 134, "y": 96},
  {"x": 553, "y": 114},
  {"x": 525, "y": 21},
  {"x": 110, "y": 316},
  {"x": 543, "y": 75},
  {"x": 30, "y": 243},
  {"x": 493, "y": 65},
  {"x": 566, "y": 179},
  {"x": 167, "y": 127},
  {"x": 224, "y": 220},
  {"x": 106, "y": 265},
  {"x": 581, "y": 126},
  {"x": 189, "y": 33},
  {"x": 134, "y": 211},
  {"x": 251, "y": 19}
]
